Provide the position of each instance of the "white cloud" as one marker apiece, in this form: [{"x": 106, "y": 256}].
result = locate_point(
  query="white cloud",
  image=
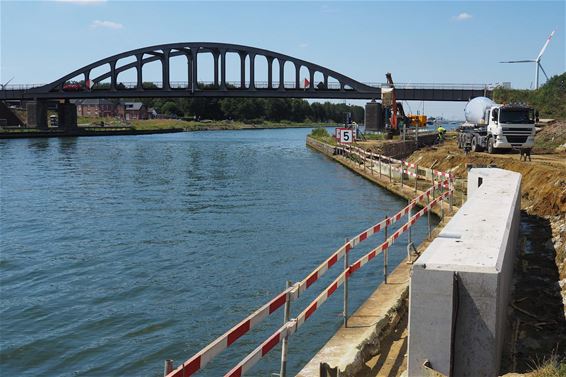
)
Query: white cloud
[
  {"x": 303, "y": 45},
  {"x": 106, "y": 25},
  {"x": 463, "y": 16},
  {"x": 83, "y": 2}
]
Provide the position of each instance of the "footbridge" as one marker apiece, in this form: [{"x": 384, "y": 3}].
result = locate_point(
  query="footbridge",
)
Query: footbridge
[{"x": 286, "y": 77}]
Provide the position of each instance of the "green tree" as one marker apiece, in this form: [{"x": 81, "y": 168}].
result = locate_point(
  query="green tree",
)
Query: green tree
[{"x": 171, "y": 108}]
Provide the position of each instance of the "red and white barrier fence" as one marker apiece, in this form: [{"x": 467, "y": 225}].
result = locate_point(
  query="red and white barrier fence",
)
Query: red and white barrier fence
[
  {"x": 199, "y": 360},
  {"x": 363, "y": 153},
  {"x": 293, "y": 325},
  {"x": 339, "y": 254}
]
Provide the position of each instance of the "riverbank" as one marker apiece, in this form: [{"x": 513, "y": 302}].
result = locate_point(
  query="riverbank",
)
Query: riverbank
[
  {"x": 373, "y": 343},
  {"x": 111, "y": 127},
  {"x": 537, "y": 321},
  {"x": 35, "y": 133}
]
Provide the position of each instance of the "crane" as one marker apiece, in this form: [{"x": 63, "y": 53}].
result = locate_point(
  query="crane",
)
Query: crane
[{"x": 395, "y": 108}]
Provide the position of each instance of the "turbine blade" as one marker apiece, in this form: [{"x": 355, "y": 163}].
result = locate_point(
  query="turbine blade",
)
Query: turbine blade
[
  {"x": 545, "y": 45},
  {"x": 519, "y": 61},
  {"x": 542, "y": 69}
]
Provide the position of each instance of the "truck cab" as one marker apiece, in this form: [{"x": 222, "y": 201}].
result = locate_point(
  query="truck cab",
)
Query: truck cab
[{"x": 510, "y": 126}]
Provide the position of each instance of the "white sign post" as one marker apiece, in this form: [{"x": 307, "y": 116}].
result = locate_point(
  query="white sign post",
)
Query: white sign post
[{"x": 346, "y": 136}]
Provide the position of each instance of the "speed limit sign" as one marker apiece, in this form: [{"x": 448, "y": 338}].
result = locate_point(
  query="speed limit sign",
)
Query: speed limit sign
[{"x": 347, "y": 136}]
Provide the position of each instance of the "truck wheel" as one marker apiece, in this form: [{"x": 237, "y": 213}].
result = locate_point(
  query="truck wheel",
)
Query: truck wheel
[
  {"x": 475, "y": 146},
  {"x": 490, "y": 148}
]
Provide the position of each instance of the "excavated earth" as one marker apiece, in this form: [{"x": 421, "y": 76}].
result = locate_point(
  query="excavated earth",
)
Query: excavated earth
[
  {"x": 536, "y": 321},
  {"x": 537, "y": 325}
]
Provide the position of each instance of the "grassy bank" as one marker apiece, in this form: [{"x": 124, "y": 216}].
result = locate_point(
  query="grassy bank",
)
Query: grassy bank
[
  {"x": 320, "y": 134},
  {"x": 161, "y": 124}
]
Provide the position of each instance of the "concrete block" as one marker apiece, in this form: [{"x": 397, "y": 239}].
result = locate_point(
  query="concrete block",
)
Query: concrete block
[
  {"x": 37, "y": 114},
  {"x": 477, "y": 247},
  {"x": 436, "y": 290},
  {"x": 67, "y": 114}
]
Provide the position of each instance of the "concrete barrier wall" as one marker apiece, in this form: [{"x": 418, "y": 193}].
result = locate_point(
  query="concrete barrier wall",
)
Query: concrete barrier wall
[{"x": 460, "y": 286}]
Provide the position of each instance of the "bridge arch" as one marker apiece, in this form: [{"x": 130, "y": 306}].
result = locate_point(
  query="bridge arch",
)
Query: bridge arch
[{"x": 136, "y": 60}]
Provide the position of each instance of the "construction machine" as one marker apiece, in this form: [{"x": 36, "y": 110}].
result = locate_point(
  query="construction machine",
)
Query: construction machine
[{"x": 397, "y": 114}]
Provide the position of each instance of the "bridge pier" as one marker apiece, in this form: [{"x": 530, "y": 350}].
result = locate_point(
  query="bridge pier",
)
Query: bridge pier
[
  {"x": 37, "y": 114},
  {"x": 374, "y": 120},
  {"x": 67, "y": 115}
]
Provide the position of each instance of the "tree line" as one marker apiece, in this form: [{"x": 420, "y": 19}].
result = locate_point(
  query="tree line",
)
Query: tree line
[
  {"x": 549, "y": 99},
  {"x": 244, "y": 109},
  {"x": 255, "y": 109}
]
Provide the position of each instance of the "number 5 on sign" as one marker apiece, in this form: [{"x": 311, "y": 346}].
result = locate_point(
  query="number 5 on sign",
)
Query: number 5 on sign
[
  {"x": 347, "y": 136},
  {"x": 337, "y": 133}
]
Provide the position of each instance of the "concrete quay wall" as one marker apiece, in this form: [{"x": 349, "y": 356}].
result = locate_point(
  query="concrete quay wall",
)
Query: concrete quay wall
[
  {"x": 352, "y": 347},
  {"x": 403, "y": 190},
  {"x": 460, "y": 286}
]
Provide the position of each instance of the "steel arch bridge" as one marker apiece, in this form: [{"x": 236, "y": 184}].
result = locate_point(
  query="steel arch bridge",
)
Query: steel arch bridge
[{"x": 333, "y": 85}]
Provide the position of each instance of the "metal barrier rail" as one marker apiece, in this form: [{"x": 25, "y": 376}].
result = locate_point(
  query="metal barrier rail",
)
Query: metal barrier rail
[
  {"x": 200, "y": 359},
  {"x": 292, "y": 326},
  {"x": 373, "y": 156},
  {"x": 204, "y": 356}
]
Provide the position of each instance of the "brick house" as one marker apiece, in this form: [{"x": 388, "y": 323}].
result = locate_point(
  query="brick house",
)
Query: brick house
[
  {"x": 132, "y": 111},
  {"x": 95, "y": 108}
]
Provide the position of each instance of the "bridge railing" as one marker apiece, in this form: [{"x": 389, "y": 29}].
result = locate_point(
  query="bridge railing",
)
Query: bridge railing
[
  {"x": 275, "y": 85},
  {"x": 211, "y": 85},
  {"x": 20, "y": 86},
  {"x": 445, "y": 86},
  {"x": 440, "y": 191}
]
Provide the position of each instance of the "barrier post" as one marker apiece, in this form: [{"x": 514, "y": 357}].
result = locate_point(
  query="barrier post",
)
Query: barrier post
[
  {"x": 441, "y": 200},
  {"x": 284, "y": 345},
  {"x": 168, "y": 368},
  {"x": 346, "y": 266},
  {"x": 416, "y": 177},
  {"x": 433, "y": 185},
  {"x": 402, "y": 169},
  {"x": 385, "y": 252},
  {"x": 379, "y": 164},
  {"x": 451, "y": 188},
  {"x": 428, "y": 214},
  {"x": 409, "y": 235},
  {"x": 390, "y": 178}
]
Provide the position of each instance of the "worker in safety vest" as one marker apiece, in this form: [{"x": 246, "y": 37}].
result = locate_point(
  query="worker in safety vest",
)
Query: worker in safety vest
[{"x": 441, "y": 131}]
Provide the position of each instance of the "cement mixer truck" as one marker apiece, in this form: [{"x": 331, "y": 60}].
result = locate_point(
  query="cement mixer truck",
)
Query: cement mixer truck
[{"x": 496, "y": 127}]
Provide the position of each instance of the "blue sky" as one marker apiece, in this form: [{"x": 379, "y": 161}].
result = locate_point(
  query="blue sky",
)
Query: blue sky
[{"x": 431, "y": 42}]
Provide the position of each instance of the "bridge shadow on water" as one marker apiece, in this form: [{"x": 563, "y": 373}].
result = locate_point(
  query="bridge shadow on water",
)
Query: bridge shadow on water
[{"x": 536, "y": 328}]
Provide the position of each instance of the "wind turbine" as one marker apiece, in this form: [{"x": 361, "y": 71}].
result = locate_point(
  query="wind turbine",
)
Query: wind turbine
[
  {"x": 536, "y": 61},
  {"x": 3, "y": 86}
]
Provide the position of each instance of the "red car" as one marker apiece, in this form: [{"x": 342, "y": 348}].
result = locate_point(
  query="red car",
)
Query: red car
[{"x": 75, "y": 87}]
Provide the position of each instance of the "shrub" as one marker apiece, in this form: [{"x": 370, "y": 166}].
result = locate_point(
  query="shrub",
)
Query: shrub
[{"x": 319, "y": 132}]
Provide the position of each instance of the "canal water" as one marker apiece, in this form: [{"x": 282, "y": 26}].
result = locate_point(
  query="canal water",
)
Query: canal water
[{"x": 117, "y": 253}]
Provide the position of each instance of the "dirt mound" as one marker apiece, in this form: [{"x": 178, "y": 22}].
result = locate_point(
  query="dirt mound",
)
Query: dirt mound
[
  {"x": 544, "y": 179},
  {"x": 551, "y": 138}
]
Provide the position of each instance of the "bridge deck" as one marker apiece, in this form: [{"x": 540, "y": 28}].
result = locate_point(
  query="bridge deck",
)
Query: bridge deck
[{"x": 404, "y": 94}]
